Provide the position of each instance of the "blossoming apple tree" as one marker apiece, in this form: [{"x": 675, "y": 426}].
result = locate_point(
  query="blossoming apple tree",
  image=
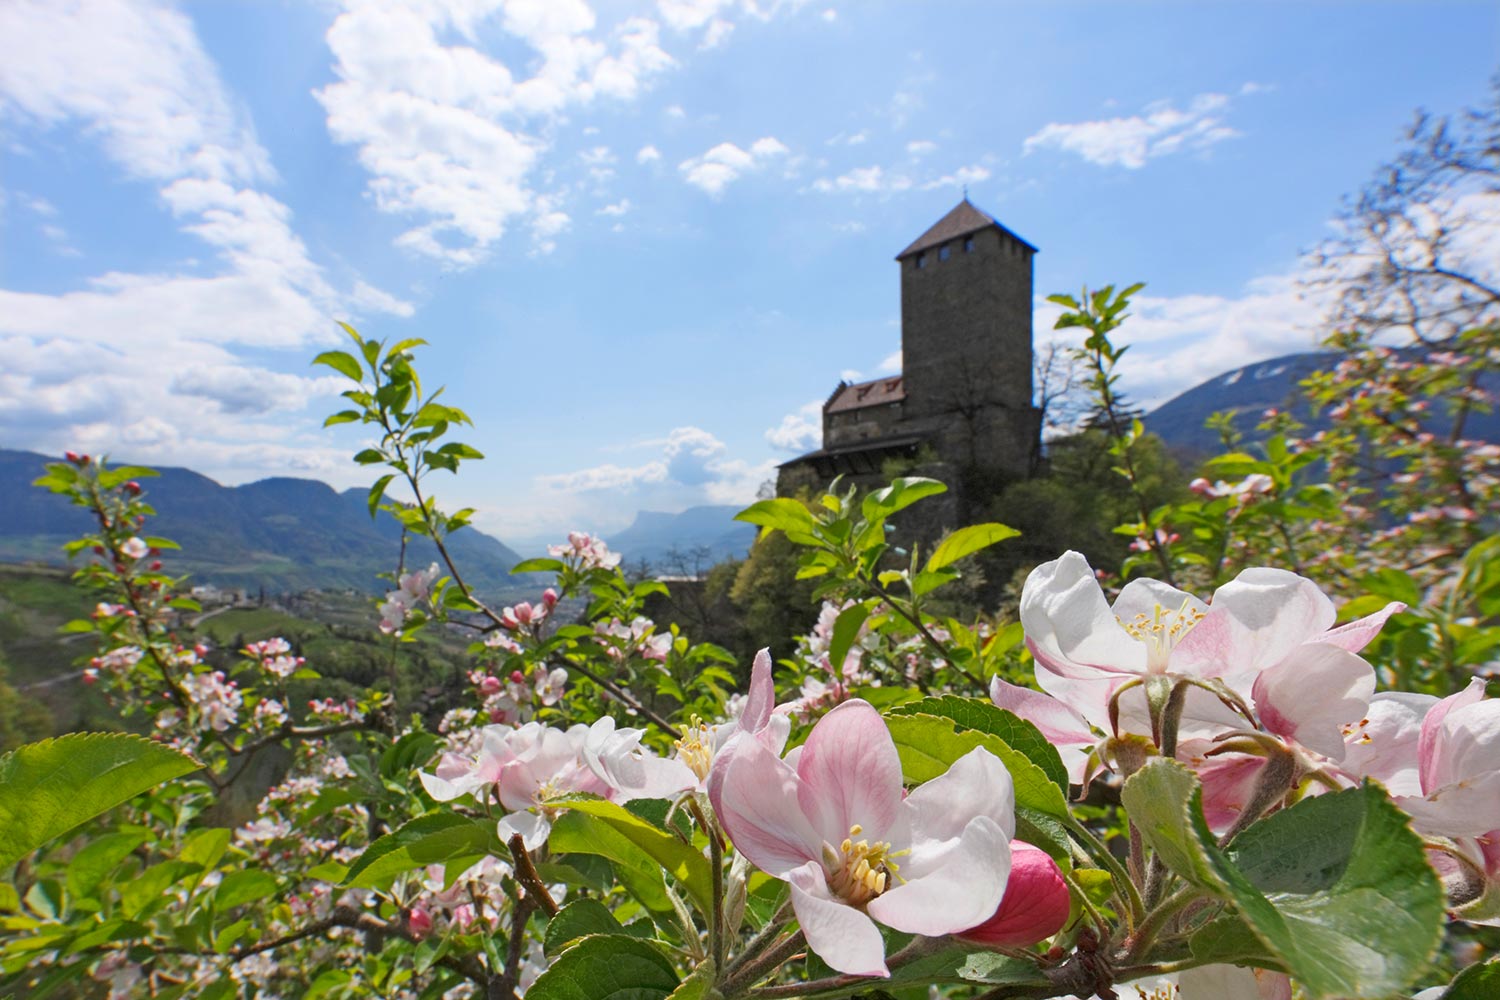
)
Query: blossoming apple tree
[{"x": 1204, "y": 782}]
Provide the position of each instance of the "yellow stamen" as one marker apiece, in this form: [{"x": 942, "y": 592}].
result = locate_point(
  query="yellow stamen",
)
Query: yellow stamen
[
  {"x": 858, "y": 870},
  {"x": 696, "y": 748},
  {"x": 1160, "y": 631}
]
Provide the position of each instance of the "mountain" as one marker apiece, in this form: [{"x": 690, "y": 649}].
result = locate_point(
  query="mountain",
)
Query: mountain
[
  {"x": 654, "y": 536},
  {"x": 282, "y": 534},
  {"x": 1249, "y": 391}
]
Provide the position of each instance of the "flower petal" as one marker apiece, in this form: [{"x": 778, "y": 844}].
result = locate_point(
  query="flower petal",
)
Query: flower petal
[
  {"x": 1254, "y": 622},
  {"x": 976, "y": 784},
  {"x": 1070, "y": 627},
  {"x": 1358, "y": 634},
  {"x": 1435, "y": 773},
  {"x": 1383, "y": 745},
  {"x": 839, "y": 934},
  {"x": 1143, "y": 596},
  {"x": 755, "y": 795},
  {"x": 1063, "y": 728},
  {"x": 1312, "y": 693},
  {"x": 850, "y": 773},
  {"x": 533, "y": 828},
  {"x": 760, "y": 700},
  {"x": 949, "y": 885}
]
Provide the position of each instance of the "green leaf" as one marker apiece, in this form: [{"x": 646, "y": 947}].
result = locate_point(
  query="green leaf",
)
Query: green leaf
[
  {"x": 845, "y": 630},
  {"x": 967, "y": 541},
  {"x": 780, "y": 514},
  {"x": 149, "y": 888},
  {"x": 607, "y": 967},
  {"x": 100, "y": 858},
  {"x": 427, "y": 840},
  {"x": 576, "y": 833},
  {"x": 377, "y": 493},
  {"x": 341, "y": 362},
  {"x": 902, "y": 493},
  {"x": 1164, "y": 801},
  {"x": 1020, "y": 735},
  {"x": 369, "y": 456},
  {"x": 542, "y": 565},
  {"x": 205, "y": 848},
  {"x": 48, "y": 788},
  {"x": 1477, "y": 982},
  {"x": 1339, "y": 889},
  {"x": 243, "y": 886},
  {"x": 341, "y": 417},
  {"x": 579, "y": 918},
  {"x": 685, "y": 863}
]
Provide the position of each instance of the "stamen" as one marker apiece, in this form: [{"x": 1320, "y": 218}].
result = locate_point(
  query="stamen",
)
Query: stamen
[
  {"x": 858, "y": 871},
  {"x": 1161, "y": 630},
  {"x": 696, "y": 748}
]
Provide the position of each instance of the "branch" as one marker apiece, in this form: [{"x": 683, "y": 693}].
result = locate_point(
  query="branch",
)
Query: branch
[{"x": 527, "y": 875}]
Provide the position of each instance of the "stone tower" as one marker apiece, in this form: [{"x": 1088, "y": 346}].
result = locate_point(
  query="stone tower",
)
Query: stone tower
[
  {"x": 963, "y": 398},
  {"x": 966, "y": 291}
]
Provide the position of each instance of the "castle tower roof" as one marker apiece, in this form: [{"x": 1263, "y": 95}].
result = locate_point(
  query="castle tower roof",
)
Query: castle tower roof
[{"x": 963, "y": 220}]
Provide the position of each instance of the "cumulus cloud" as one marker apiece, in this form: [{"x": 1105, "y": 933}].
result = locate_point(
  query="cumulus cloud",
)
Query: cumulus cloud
[
  {"x": 83, "y": 365},
  {"x": 648, "y": 154},
  {"x": 920, "y": 147},
  {"x": 691, "y": 466},
  {"x": 1160, "y": 130},
  {"x": 617, "y": 209},
  {"x": 864, "y": 180},
  {"x": 450, "y": 135},
  {"x": 722, "y": 165},
  {"x": 800, "y": 431}
]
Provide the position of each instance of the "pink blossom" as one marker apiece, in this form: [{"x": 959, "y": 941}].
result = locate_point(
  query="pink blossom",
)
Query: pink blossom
[
  {"x": 550, "y": 684},
  {"x": 1035, "y": 905},
  {"x": 835, "y": 826},
  {"x": 134, "y": 548}
]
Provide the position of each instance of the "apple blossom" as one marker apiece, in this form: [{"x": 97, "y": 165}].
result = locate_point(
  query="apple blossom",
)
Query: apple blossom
[
  {"x": 134, "y": 548},
  {"x": 835, "y": 826}
]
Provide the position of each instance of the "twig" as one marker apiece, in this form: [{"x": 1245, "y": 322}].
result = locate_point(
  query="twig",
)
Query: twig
[{"x": 527, "y": 875}]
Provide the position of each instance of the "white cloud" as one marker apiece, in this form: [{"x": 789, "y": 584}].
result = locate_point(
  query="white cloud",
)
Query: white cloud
[
  {"x": 800, "y": 431},
  {"x": 648, "y": 154},
  {"x": 718, "y": 32},
  {"x": 830, "y": 15},
  {"x": 920, "y": 147},
  {"x": 864, "y": 180},
  {"x": 691, "y": 467},
  {"x": 725, "y": 163},
  {"x": 83, "y": 367},
  {"x": 849, "y": 138},
  {"x": 890, "y": 364},
  {"x": 617, "y": 209},
  {"x": 1161, "y": 129},
  {"x": 450, "y": 135},
  {"x": 674, "y": 111},
  {"x": 961, "y": 177}
]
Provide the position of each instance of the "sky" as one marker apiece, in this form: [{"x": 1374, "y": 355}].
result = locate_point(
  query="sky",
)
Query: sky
[{"x": 644, "y": 238}]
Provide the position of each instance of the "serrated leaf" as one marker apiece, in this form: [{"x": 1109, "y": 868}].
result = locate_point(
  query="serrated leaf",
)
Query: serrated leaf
[
  {"x": 607, "y": 967},
  {"x": 51, "y": 787},
  {"x": 1477, "y": 982},
  {"x": 967, "y": 541},
  {"x": 1020, "y": 735},
  {"x": 426, "y": 840},
  {"x": 342, "y": 362},
  {"x": 1164, "y": 801}
]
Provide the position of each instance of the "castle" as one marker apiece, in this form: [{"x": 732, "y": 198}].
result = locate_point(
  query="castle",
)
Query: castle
[{"x": 963, "y": 397}]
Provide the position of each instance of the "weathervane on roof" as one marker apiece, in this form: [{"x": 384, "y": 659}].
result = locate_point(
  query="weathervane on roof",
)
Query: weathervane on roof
[{"x": 966, "y": 192}]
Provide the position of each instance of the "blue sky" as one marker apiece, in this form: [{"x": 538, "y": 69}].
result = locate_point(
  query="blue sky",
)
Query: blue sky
[{"x": 643, "y": 238}]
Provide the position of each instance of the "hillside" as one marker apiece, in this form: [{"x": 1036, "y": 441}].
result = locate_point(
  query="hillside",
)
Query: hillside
[
  {"x": 654, "y": 537},
  {"x": 1251, "y": 390},
  {"x": 283, "y": 534}
]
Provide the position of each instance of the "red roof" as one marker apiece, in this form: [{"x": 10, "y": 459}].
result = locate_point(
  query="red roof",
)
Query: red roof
[{"x": 875, "y": 392}]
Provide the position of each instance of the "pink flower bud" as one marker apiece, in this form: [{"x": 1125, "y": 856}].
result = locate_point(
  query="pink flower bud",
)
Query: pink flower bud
[
  {"x": 518, "y": 677},
  {"x": 419, "y": 921},
  {"x": 1035, "y": 905},
  {"x": 71, "y": 456},
  {"x": 549, "y": 598},
  {"x": 133, "y": 488},
  {"x": 155, "y": 565},
  {"x": 490, "y": 685}
]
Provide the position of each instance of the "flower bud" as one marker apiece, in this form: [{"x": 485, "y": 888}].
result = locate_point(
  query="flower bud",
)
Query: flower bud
[
  {"x": 1035, "y": 904},
  {"x": 549, "y": 598},
  {"x": 71, "y": 456},
  {"x": 490, "y": 685},
  {"x": 133, "y": 488},
  {"x": 419, "y": 921},
  {"x": 517, "y": 677}
]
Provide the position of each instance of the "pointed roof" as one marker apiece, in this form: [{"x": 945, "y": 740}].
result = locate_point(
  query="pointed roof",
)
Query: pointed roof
[{"x": 963, "y": 220}]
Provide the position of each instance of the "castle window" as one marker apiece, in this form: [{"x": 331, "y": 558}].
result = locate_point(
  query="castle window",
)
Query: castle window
[
  {"x": 944, "y": 251},
  {"x": 921, "y": 260},
  {"x": 968, "y": 244}
]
